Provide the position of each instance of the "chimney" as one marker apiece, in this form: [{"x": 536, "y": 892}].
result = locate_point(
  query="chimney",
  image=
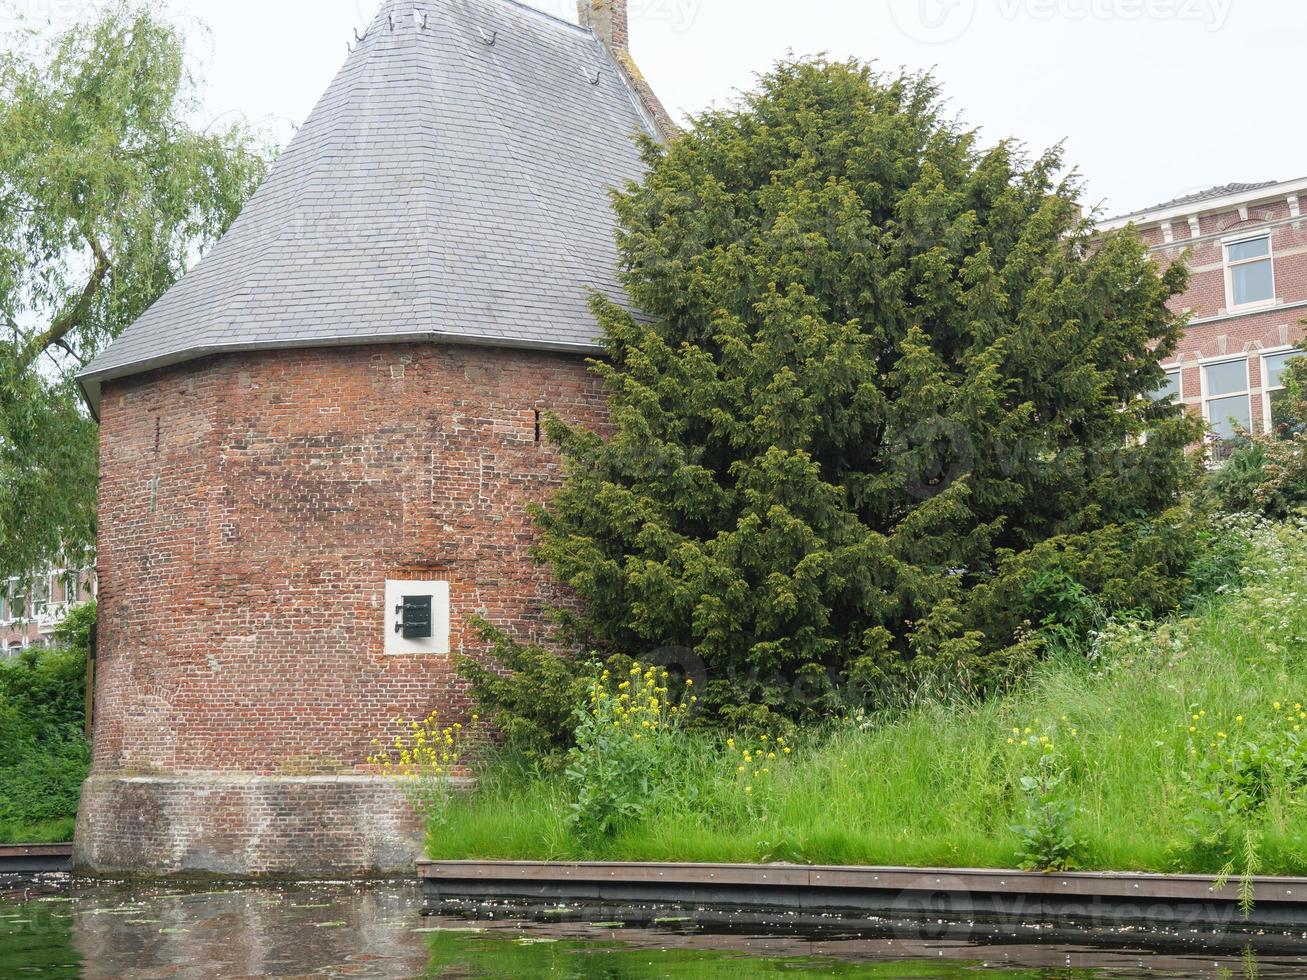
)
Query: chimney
[{"x": 607, "y": 18}]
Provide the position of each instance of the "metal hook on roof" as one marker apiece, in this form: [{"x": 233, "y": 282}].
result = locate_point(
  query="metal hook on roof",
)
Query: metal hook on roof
[
  {"x": 357, "y": 38},
  {"x": 592, "y": 75},
  {"x": 488, "y": 39},
  {"x": 390, "y": 19},
  {"x": 425, "y": 15}
]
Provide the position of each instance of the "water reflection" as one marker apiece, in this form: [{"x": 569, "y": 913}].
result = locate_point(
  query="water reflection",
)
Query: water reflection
[
  {"x": 96, "y": 931},
  {"x": 59, "y": 929}
]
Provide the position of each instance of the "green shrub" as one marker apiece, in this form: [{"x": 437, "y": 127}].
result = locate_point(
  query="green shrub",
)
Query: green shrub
[
  {"x": 43, "y": 695},
  {"x": 1284, "y": 488},
  {"x": 629, "y": 736},
  {"x": 1071, "y": 611},
  {"x": 74, "y": 632},
  {"x": 44, "y": 784},
  {"x": 44, "y": 756},
  {"x": 1224, "y": 544},
  {"x": 1232, "y": 486},
  {"x": 528, "y": 693},
  {"x": 1263, "y": 474},
  {"x": 1267, "y": 473}
]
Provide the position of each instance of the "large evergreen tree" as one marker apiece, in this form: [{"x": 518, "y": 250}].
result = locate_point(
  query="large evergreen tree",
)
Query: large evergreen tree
[{"x": 884, "y": 407}]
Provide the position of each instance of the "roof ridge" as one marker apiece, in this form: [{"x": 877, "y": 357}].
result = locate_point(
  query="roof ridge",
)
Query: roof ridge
[{"x": 1213, "y": 193}]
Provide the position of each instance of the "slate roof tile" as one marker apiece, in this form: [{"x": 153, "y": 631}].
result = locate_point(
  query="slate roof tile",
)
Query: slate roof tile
[{"x": 443, "y": 188}]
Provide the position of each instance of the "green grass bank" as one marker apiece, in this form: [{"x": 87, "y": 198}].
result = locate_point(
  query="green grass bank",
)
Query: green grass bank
[{"x": 1171, "y": 747}]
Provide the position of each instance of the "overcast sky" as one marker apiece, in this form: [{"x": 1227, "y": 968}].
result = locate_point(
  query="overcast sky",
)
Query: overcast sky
[{"x": 1155, "y": 98}]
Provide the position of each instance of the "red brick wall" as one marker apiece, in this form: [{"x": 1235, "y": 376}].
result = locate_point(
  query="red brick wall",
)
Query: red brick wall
[
  {"x": 1245, "y": 336},
  {"x": 251, "y": 509},
  {"x": 1206, "y": 257},
  {"x": 1216, "y": 333}
]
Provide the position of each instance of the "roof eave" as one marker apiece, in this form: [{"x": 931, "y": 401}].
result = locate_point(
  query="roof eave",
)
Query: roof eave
[
  {"x": 91, "y": 382},
  {"x": 1173, "y": 212}
]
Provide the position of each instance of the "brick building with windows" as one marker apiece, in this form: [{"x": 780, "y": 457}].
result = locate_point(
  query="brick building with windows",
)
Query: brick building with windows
[
  {"x": 1246, "y": 245},
  {"x": 31, "y": 609},
  {"x": 319, "y": 447}
]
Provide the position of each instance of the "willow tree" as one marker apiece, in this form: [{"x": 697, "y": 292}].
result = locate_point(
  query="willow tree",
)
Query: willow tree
[
  {"x": 884, "y": 410},
  {"x": 107, "y": 191}
]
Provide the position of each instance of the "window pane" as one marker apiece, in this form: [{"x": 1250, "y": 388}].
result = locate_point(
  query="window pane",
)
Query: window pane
[
  {"x": 1170, "y": 388},
  {"x": 1227, "y": 377},
  {"x": 1252, "y": 283},
  {"x": 1254, "y": 249},
  {"x": 1274, "y": 368},
  {"x": 1285, "y": 424},
  {"x": 1227, "y": 414}
]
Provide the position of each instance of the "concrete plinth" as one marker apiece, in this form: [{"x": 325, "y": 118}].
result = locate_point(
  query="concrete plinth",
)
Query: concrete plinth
[{"x": 237, "y": 825}]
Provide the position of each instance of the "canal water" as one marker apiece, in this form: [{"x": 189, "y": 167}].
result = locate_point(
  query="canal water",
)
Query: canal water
[{"x": 54, "y": 927}]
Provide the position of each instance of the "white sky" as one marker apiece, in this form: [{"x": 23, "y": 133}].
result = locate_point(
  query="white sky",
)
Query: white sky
[{"x": 1155, "y": 98}]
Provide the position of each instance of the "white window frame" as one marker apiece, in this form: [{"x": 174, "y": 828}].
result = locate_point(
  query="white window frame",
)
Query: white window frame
[
  {"x": 1268, "y": 423},
  {"x": 1247, "y": 392},
  {"x": 41, "y": 597},
  {"x": 1178, "y": 371},
  {"x": 1226, "y": 245},
  {"x": 438, "y": 642},
  {"x": 13, "y": 584},
  {"x": 65, "y": 578}
]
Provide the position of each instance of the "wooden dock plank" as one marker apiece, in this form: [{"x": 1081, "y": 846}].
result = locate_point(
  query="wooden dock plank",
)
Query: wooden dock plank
[
  {"x": 1187, "y": 899},
  {"x": 35, "y": 858}
]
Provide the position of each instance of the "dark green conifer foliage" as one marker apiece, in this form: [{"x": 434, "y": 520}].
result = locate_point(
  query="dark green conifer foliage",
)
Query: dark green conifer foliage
[{"x": 883, "y": 382}]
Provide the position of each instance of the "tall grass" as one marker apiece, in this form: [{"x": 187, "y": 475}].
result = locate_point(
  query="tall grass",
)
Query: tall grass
[
  {"x": 58, "y": 831},
  {"x": 938, "y": 784}
]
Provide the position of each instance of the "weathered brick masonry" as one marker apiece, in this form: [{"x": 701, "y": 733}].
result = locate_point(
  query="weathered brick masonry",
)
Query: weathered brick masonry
[
  {"x": 253, "y": 507},
  {"x": 239, "y": 825}
]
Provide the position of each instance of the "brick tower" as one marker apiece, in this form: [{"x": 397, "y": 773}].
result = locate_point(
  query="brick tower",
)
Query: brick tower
[{"x": 336, "y": 412}]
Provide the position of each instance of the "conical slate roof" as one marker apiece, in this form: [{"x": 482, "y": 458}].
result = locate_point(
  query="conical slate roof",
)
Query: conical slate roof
[{"x": 452, "y": 184}]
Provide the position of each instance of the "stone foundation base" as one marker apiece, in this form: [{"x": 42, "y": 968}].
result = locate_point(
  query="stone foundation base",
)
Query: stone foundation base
[{"x": 236, "y": 825}]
